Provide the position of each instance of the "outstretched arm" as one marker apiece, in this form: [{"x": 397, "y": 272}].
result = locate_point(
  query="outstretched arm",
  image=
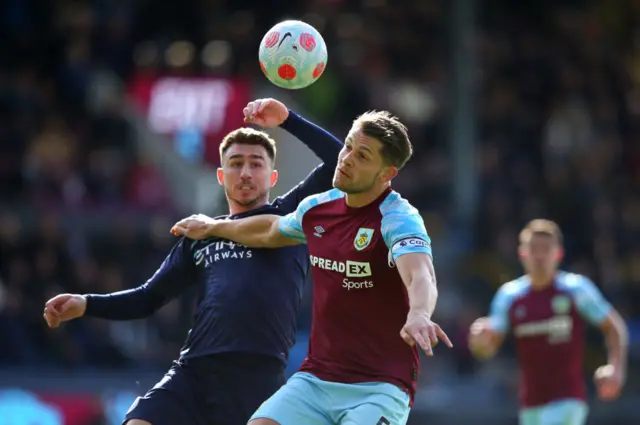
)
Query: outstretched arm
[
  {"x": 409, "y": 246},
  {"x": 486, "y": 334},
  {"x": 419, "y": 276},
  {"x": 175, "y": 274},
  {"x": 273, "y": 113},
  {"x": 325, "y": 145},
  {"x": 260, "y": 231}
]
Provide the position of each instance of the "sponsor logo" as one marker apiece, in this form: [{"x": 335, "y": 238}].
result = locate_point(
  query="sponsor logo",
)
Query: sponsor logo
[
  {"x": 350, "y": 269},
  {"x": 558, "y": 329},
  {"x": 350, "y": 284},
  {"x": 412, "y": 242},
  {"x": 363, "y": 238},
  {"x": 220, "y": 250}
]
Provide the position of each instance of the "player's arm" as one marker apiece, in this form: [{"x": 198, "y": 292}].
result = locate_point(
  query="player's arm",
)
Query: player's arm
[
  {"x": 271, "y": 113},
  {"x": 409, "y": 245},
  {"x": 617, "y": 339},
  {"x": 417, "y": 273},
  {"x": 596, "y": 309},
  {"x": 487, "y": 333},
  {"x": 176, "y": 273},
  {"x": 326, "y": 146},
  {"x": 259, "y": 231}
]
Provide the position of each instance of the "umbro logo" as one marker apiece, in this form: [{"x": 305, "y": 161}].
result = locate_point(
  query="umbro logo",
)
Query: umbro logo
[{"x": 318, "y": 231}]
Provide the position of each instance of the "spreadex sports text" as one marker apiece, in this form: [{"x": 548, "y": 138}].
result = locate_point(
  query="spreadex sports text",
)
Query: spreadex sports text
[{"x": 350, "y": 269}]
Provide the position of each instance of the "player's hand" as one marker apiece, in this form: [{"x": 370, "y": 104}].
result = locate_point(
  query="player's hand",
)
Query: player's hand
[
  {"x": 265, "y": 113},
  {"x": 419, "y": 329},
  {"x": 609, "y": 381},
  {"x": 64, "y": 307},
  {"x": 196, "y": 227},
  {"x": 481, "y": 339}
]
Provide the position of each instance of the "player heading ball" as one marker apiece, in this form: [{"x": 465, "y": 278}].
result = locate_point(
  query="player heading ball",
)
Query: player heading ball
[{"x": 363, "y": 345}]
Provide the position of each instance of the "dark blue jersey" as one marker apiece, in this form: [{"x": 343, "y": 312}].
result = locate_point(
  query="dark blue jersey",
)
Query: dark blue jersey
[{"x": 248, "y": 298}]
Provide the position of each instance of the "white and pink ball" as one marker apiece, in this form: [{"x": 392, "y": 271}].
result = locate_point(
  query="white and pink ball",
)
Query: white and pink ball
[{"x": 293, "y": 55}]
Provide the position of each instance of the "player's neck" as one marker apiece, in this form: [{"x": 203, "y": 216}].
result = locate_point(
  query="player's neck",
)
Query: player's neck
[
  {"x": 540, "y": 281},
  {"x": 359, "y": 200}
]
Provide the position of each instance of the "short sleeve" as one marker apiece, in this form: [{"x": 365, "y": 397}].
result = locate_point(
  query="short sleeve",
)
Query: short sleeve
[
  {"x": 499, "y": 310},
  {"x": 290, "y": 225},
  {"x": 402, "y": 228},
  {"x": 589, "y": 300}
]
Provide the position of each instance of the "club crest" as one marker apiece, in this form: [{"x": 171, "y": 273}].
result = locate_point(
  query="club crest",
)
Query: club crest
[
  {"x": 363, "y": 238},
  {"x": 198, "y": 256},
  {"x": 561, "y": 304}
]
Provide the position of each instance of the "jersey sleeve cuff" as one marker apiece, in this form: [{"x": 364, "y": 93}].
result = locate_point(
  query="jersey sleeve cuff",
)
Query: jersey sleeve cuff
[
  {"x": 603, "y": 313},
  {"x": 94, "y": 306},
  {"x": 293, "y": 118},
  {"x": 286, "y": 230},
  {"x": 411, "y": 245},
  {"x": 497, "y": 325}
]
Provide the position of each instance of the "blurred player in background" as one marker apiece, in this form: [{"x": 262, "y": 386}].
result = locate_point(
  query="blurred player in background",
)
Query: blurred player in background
[
  {"x": 547, "y": 311},
  {"x": 368, "y": 317},
  {"x": 245, "y": 322}
]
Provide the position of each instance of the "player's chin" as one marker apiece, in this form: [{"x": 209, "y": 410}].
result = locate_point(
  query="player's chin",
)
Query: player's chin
[
  {"x": 539, "y": 269},
  {"x": 341, "y": 185},
  {"x": 338, "y": 181},
  {"x": 246, "y": 198}
]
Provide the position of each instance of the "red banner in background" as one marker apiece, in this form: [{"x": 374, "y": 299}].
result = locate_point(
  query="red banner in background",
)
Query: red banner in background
[
  {"x": 212, "y": 106},
  {"x": 76, "y": 409},
  {"x": 22, "y": 407}
]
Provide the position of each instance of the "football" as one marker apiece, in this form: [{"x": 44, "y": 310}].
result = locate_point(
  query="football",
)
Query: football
[{"x": 293, "y": 55}]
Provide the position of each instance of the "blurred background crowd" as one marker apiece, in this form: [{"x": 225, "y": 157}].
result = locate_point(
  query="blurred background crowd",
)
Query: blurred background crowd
[{"x": 553, "y": 131}]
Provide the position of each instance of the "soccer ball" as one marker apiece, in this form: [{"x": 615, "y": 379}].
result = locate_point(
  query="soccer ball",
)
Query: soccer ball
[{"x": 292, "y": 55}]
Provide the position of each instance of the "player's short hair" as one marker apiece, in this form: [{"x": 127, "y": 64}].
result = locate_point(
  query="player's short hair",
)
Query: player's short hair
[
  {"x": 385, "y": 127},
  {"x": 249, "y": 136},
  {"x": 541, "y": 226}
]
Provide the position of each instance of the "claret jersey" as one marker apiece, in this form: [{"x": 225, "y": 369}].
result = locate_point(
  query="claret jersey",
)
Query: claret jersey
[
  {"x": 359, "y": 302},
  {"x": 548, "y": 326}
]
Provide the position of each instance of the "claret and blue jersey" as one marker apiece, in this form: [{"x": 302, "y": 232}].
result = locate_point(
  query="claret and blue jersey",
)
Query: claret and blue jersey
[
  {"x": 548, "y": 326},
  {"x": 360, "y": 302}
]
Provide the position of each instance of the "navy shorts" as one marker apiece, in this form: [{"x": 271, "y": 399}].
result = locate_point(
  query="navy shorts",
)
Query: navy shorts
[{"x": 223, "y": 389}]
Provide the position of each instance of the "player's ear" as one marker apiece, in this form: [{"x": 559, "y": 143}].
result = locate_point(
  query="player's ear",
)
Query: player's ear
[
  {"x": 522, "y": 253},
  {"x": 274, "y": 178},
  {"x": 560, "y": 254},
  {"x": 220, "y": 175},
  {"x": 389, "y": 173}
]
